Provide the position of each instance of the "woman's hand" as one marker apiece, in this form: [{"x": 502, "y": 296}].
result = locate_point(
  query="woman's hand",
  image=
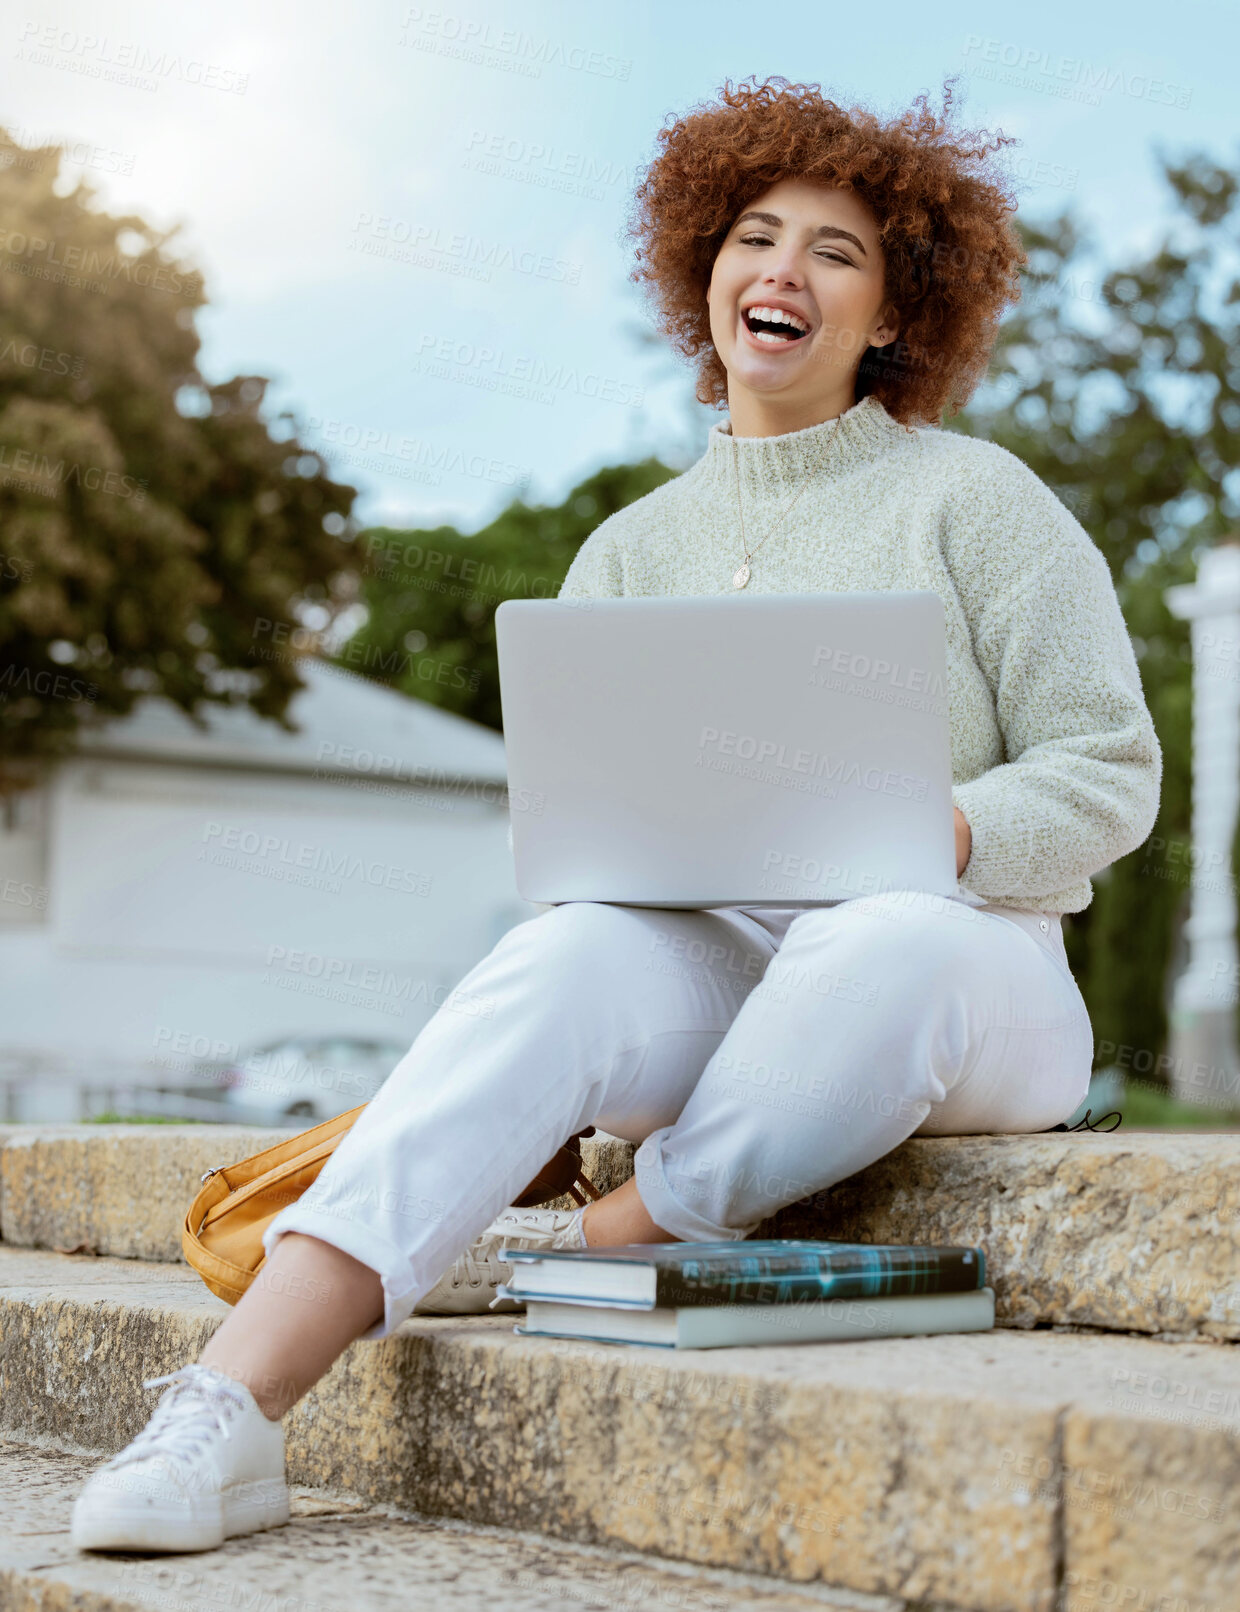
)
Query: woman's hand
[{"x": 964, "y": 841}]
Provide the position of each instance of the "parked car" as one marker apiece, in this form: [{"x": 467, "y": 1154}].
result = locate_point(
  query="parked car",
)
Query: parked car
[{"x": 306, "y": 1079}]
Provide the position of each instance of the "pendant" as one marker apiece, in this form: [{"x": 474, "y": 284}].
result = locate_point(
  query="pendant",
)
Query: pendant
[{"x": 742, "y": 576}]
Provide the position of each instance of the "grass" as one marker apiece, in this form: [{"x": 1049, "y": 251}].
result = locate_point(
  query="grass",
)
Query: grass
[
  {"x": 1150, "y": 1108},
  {"x": 1143, "y": 1106},
  {"x": 110, "y": 1118}
]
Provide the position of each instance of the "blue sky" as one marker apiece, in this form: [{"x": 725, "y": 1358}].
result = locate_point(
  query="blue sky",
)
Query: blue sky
[{"x": 335, "y": 169}]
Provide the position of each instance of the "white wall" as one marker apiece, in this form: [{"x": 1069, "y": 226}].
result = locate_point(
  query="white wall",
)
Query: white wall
[{"x": 192, "y": 908}]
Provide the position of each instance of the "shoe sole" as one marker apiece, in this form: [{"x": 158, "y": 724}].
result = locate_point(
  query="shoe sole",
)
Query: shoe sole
[
  {"x": 244, "y": 1508},
  {"x": 478, "y": 1304}
]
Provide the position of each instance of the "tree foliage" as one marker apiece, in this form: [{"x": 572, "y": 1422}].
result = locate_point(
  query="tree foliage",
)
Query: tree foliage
[
  {"x": 1120, "y": 387},
  {"x": 151, "y": 523},
  {"x": 431, "y": 595}
]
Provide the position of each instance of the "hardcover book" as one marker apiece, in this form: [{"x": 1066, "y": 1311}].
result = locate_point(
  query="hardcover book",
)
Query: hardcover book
[
  {"x": 765, "y": 1272},
  {"x": 719, "y": 1326}
]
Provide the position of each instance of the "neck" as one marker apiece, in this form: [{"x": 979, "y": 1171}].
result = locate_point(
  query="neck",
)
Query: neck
[
  {"x": 775, "y": 466},
  {"x": 753, "y": 415}
]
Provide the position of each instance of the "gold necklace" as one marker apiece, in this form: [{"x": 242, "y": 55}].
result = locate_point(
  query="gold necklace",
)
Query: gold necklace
[{"x": 740, "y": 577}]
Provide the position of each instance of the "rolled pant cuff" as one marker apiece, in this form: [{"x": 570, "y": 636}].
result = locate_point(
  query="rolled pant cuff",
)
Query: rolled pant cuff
[
  {"x": 662, "y": 1204},
  {"x": 391, "y": 1267}
]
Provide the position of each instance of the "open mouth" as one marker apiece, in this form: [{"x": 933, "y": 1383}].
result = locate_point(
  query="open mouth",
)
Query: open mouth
[{"x": 774, "y": 326}]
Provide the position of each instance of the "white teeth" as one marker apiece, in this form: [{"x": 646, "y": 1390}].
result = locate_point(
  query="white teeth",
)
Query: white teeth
[{"x": 778, "y": 316}]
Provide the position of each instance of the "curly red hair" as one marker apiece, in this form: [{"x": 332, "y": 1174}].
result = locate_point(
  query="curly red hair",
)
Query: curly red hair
[{"x": 944, "y": 218}]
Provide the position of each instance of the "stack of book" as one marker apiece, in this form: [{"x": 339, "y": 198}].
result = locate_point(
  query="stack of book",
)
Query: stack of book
[{"x": 709, "y": 1295}]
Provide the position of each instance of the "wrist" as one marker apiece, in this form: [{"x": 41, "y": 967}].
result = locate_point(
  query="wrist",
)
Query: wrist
[{"x": 964, "y": 841}]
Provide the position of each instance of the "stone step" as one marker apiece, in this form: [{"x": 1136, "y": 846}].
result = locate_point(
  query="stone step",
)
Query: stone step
[
  {"x": 1133, "y": 1233},
  {"x": 996, "y": 1472},
  {"x": 338, "y": 1552},
  {"x": 123, "y": 1189}
]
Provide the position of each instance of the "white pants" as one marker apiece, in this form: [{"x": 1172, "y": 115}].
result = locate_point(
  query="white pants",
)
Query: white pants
[{"x": 758, "y": 1055}]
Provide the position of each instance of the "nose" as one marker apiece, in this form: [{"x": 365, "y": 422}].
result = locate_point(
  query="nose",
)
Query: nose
[{"x": 784, "y": 269}]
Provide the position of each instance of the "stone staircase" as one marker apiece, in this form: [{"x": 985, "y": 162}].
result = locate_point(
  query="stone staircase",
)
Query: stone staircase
[
  {"x": 1083, "y": 1457},
  {"x": 339, "y": 1554}
]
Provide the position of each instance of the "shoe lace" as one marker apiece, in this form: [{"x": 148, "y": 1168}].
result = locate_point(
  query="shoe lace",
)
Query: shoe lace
[
  {"x": 528, "y": 1220},
  {"x": 543, "y": 1227},
  {"x": 471, "y": 1270},
  {"x": 198, "y": 1405},
  {"x": 478, "y": 1269}
]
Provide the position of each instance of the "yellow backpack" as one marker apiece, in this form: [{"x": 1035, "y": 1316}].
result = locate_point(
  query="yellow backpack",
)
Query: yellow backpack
[{"x": 222, "y": 1237}]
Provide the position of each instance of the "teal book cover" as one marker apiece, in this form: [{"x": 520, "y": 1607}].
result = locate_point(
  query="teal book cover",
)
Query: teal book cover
[{"x": 770, "y": 1271}]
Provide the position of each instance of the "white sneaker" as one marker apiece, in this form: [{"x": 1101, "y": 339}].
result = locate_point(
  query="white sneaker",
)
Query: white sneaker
[
  {"x": 206, "y": 1466},
  {"x": 469, "y": 1288}
]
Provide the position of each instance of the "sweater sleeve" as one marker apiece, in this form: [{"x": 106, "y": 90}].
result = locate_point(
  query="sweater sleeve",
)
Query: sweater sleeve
[
  {"x": 1079, "y": 786},
  {"x": 595, "y": 572}
]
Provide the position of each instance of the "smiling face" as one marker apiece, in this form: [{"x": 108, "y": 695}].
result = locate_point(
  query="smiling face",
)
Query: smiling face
[{"x": 808, "y": 257}]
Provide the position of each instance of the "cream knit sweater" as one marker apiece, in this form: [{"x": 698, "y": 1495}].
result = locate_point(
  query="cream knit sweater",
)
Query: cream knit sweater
[{"x": 1055, "y": 761}]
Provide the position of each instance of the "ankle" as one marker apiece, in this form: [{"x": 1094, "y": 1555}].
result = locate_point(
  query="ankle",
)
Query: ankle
[
  {"x": 273, "y": 1395},
  {"x": 272, "y": 1409}
]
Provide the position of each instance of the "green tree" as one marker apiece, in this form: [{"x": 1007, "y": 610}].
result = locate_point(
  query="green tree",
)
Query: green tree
[
  {"x": 431, "y": 595},
  {"x": 1120, "y": 387},
  {"x": 154, "y": 530}
]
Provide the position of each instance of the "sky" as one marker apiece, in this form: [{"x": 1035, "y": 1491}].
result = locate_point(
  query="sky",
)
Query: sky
[{"x": 412, "y": 218}]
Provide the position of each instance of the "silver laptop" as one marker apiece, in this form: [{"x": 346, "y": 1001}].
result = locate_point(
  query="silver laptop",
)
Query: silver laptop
[{"x": 780, "y": 750}]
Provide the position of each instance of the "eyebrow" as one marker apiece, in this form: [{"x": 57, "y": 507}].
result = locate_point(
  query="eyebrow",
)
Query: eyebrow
[{"x": 831, "y": 231}]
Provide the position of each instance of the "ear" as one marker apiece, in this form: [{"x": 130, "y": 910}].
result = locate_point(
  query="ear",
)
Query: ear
[{"x": 888, "y": 330}]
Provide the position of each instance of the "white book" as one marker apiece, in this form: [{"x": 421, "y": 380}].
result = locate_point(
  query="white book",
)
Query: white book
[{"x": 811, "y": 1321}]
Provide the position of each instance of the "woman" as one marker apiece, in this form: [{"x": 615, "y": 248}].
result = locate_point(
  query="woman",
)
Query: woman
[{"x": 839, "y": 281}]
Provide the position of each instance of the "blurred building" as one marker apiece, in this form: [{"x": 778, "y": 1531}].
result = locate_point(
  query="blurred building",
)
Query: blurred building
[
  {"x": 1205, "y": 1067},
  {"x": 173, "y": 897}
]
